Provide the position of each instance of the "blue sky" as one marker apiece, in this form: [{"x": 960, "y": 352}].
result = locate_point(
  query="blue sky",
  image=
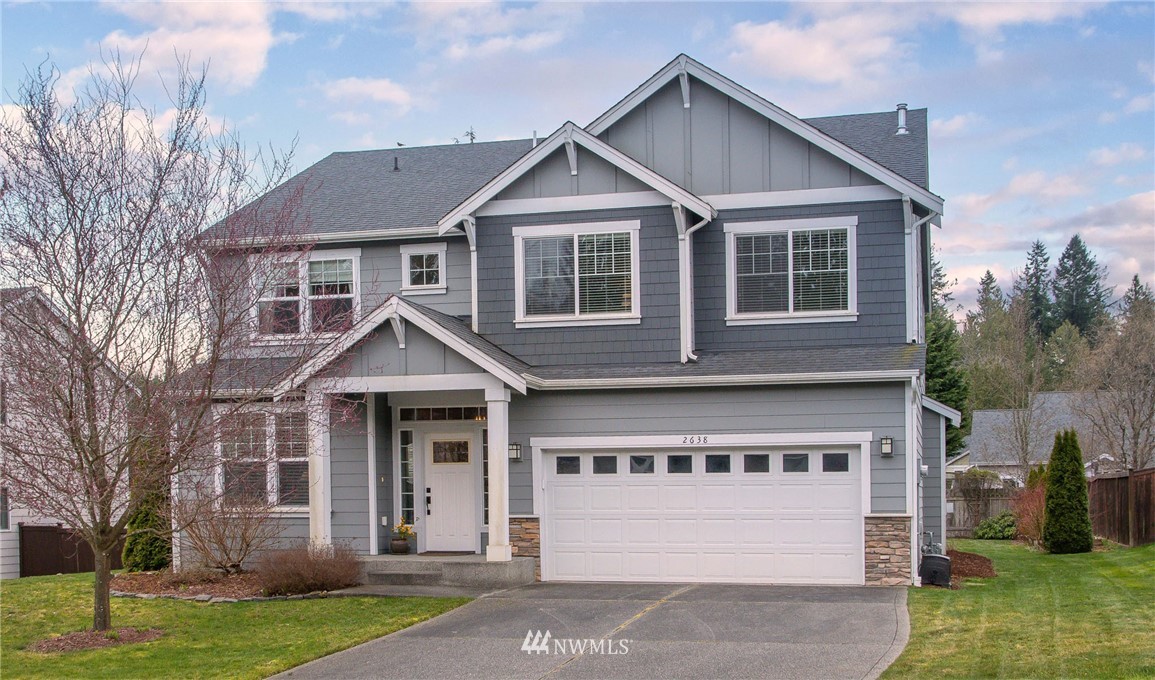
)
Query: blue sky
[{"x": 1042, "y": 114}]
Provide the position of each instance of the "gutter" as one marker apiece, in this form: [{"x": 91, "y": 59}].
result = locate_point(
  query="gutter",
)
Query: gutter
[{"x": 716, "y": 380}]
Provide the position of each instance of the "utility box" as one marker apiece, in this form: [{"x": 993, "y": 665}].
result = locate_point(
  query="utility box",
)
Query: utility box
[{"x": 935, "y": 570}]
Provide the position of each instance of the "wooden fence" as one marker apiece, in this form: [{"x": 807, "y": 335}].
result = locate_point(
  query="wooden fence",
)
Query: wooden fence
[
  {"x": 47, "y": 550},
  {"x": 1123, "y": 507},
  {"x": 961, "y": 521}
]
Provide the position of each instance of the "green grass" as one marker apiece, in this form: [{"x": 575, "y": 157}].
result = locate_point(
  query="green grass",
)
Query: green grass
[
  {"x": 240, "y": 640},
  {"x": 1044, "y": 616}
]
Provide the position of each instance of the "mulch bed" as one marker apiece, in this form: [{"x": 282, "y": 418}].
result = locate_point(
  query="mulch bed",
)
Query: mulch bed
[
  {"x": 968, "y": 565},
  {"x": 234, "y": 586},
  {"x": 94, "y": 639}
]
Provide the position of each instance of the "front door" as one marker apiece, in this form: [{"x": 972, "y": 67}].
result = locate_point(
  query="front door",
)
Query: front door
[{"x": 450, "y": 501}]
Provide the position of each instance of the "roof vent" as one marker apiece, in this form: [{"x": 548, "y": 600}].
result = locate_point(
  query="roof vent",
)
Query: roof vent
[
  {"x": 902, "y": 120},
  {"x": 535, "y": 139},
  {"x": 396, "y": 167}
]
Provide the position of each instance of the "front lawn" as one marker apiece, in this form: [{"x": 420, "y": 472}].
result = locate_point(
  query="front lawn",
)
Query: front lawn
[
  {"x": 241, "y": 640},
  {"x": 1088, "y": 615}
]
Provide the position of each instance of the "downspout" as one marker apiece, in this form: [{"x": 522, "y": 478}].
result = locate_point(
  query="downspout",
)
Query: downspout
[
  {"x": 910, "y": 227},
  {"x": 469, "y": 224},
  {"x": 686, "y": 279}
]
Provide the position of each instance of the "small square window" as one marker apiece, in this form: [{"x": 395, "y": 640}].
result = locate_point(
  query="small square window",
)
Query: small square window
[
  {"x": 569, "y": 465},
  {"x": 423, "y": 268},
  {"x": 641, "y": 465},
  {"x": 679, "y": 464},
  {"x": 836, "y": 462},
  {"x": 717, "y": 463},
  {"x": 796, "y": 462},
  {"x": 605, "y": 465},
  {"x": 757, "y": 462}
]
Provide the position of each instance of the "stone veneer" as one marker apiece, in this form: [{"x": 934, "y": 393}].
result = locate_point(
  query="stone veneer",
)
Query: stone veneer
[
  {"x": 525, "y": 539},
  {"x": 887, "y": 551}
]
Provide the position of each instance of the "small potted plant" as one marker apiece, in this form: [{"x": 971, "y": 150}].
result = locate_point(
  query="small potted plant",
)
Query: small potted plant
[{"x": 399, "y": 544}]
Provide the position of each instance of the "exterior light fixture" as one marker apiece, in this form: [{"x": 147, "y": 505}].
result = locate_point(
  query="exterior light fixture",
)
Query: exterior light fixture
[
  {"x": 515, "y": 451},
  {"x": 887, "y": 447}
]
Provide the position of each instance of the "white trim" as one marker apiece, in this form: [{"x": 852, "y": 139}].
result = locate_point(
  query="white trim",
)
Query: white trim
[
  {"x": 912, "y": 449},
  {"x": 942, "y": 480},
  {"x": 732, "y": 229},
  {"x": 683, "y": 63},
  {"x": 713, "y": 380},
  {"x": 498, "y": 548},
  {"x": 943, "y": 410},
  {"x": 406, "y": 383},
  {"x": 320, "y": 473},
  {"x": 329, "y": 237},
  {"x": 776, "y": 199},
  {"x": 439, "y": 249},
  {"x": 271, "y": 459},
  {"x": 910, "y": 273},
  {"x": 634, "y": 316},
  {"x": 552, "y": 204},
  {"x": 371, "y": 471},
  {"x": 569, "y": 134},
  {"x": 304, "y": 309}
]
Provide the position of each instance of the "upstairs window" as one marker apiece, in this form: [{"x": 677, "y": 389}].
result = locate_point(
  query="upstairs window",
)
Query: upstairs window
[
  {"x": 423, "y": 269},
  {"x": 577, "y": 274},
  {"x": 315, "y": 294},
  {"x": 791, "y": 270}
]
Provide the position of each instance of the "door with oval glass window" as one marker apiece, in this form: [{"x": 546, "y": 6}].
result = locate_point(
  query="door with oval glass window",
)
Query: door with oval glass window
[{"x": 450, "y": 496}]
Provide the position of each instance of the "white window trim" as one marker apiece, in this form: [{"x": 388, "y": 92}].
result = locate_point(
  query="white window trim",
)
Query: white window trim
[
  {"x": 732, "y": 229},
  {"x": 438, "y": 249},
  {"x": 634, "y": 316},
  {"x": 272, "y": 483},
  {"x": 303, "y": 260}
]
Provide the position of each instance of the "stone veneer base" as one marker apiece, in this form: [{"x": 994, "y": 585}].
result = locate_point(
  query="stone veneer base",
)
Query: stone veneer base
[
  {"x": 525, "y": 540},
  {"x": 887, "y": 551}
]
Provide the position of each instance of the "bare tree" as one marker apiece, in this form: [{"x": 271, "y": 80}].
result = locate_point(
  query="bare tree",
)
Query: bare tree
[
  {"x": 1120, "y": 400},
  {"x": 139, "y": 320}
]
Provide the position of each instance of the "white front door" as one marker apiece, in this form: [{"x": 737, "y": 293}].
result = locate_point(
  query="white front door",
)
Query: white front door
[{"x": 450, "y": 501}]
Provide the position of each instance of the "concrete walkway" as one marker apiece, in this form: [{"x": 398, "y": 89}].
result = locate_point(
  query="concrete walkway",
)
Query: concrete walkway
[{"x": 652, "y": 630}]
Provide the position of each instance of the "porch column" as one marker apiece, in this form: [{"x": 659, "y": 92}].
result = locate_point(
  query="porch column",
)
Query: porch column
[
  {"x": 497, "y": 401},
  {"x": 320, "y": 498}
]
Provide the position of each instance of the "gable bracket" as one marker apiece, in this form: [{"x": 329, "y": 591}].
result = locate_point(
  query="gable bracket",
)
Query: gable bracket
[
  {"x": 571, "y": 152},
  {"x": 684, "y": 80},
  {"x": 398, "y": 324},
  {"x": 680, "y": 219},
  {"x": 469, "y": 225}
]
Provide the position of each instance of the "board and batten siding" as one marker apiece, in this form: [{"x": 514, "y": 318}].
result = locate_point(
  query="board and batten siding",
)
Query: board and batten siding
[
  {"x": 551, "y": 177},
  {"x": 721, "y": 146},
  {"x": 879, "y": 408},
  {"x": 880, "y": 271},
  {"x": 380, "y": 355},
  {"x": 933, "y": 430},
  {"x": 349, "y": 467},
  {"x": 654, "y": 339}
]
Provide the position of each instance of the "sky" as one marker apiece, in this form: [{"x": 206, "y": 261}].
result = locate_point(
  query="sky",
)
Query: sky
[{"x": 1042, "y": 115}]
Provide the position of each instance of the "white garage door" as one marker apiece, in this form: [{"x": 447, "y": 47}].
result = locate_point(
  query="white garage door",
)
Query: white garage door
[{"x": 785, "y": 516}]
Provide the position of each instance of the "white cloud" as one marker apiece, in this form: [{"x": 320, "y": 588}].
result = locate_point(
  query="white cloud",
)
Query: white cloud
[
  {"x": 334, "y": 11},
  {"x": 353, "y": 118},
  {"x": 1124, "y": 231},
  {"x": 473, "y": 30},
  {"x": 1124, "y": 153},
  {"x": 381, "y": 90},
  {"x": 1036, "y": 186},
  {"x": 955, "y": 125},
  {"x": 1140, "y": 104}
]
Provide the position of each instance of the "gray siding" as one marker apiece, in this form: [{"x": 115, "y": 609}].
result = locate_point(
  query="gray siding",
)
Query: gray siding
[
  {"x": 881, "y": 283},
  {"x": 349, "y": 464},
  {"x": 878, "y": 408},
  {"x": 654, "y": 339},
  {"x": 934, "y": 458},
  {"x": 379, "y": 355},
  {"x": 381, "y": 275},
  {"x": 719, "y": 145},
  {"x": 551, "y": 177}
]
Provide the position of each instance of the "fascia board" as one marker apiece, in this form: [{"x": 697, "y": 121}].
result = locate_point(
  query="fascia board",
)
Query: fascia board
[{"x": 720, "y": 380}]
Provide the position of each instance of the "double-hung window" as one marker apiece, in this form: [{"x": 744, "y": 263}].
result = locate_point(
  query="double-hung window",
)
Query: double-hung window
[
  {"x": 423, "y": 268},
  {"x": 788, "y": 271},
  {"x": 264, "y": 458},
  {"x": 317, "y": 293},
  {"x": 577, "y": 274}
]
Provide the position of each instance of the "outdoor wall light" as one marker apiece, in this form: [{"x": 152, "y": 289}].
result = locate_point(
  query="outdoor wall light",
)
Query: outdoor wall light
[
  {"x": 515, "y": 451},
  {"x": 887, "y": 447}
]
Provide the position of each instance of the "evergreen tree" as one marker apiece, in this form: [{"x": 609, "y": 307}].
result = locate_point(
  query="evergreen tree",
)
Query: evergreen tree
[
  {"x": 1067, "y": 521},
  {"x": 945, "y": 377},
  {"x": 1034, "y": 287},
  {"x": 1080, "y": 294},
  {"x": 1066, "y": 350},
  {"x": 1137, "y": 299},
  {"x": 147, "y": 547},
  {"x": 991, "y": 300}
]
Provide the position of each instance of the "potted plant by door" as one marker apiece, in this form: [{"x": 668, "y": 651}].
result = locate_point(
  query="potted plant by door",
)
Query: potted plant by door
[{"x": 399, "y": 544}]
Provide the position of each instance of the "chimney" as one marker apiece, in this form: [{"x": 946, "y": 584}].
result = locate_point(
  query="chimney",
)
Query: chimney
[
  {"x": 396, "y": 167},
  {"x": 902, "y": 120}
]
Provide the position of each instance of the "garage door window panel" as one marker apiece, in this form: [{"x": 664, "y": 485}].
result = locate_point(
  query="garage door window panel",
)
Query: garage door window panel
[
  {"x": 569, "y": 465},
  {"x": 836, "y": 462},
  {"x": 756, "y": 462},
  {"x": 605, "y": 465},
  {"x": 679, "y": 464},
  {"x": 795, "y": 462},
  {"x": 641, "y": 465},
  {"x": 718, "y": 463}
]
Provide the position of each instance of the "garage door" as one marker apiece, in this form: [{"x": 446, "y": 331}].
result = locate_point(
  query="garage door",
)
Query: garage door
[{"x": 785, "y": 516}]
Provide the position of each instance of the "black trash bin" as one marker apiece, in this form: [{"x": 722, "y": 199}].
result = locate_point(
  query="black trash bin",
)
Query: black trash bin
[{"x": 935, "y": 570}]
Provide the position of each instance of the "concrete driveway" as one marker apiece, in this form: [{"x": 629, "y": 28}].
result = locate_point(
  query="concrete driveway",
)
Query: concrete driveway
[{"x": 652, "y": 630}]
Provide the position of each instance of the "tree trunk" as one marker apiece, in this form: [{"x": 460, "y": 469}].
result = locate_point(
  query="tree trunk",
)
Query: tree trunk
[{"x": 101, "y": 607}]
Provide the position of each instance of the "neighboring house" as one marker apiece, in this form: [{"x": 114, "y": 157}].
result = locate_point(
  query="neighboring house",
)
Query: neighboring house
[
  {"x": 992, "y": 444},
  {"x": 681, "y": 343}
]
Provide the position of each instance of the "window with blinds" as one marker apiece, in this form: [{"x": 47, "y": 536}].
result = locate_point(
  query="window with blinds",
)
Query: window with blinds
[
  {"x": 331, "y": 294},
  {"x": 549, "y": 280},
  {"x": 604, "y": 273},
  {"x": 578, "y": 274},
  {"x": 820, "y": 270},
  {"x": 791, "y": 271}
]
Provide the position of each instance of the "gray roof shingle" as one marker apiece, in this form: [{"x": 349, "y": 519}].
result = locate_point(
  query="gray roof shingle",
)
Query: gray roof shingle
[
  {"x": 873, "y": 135},
  {"x": 462, "y": 330},
  {"x": 993, "y": 431}
]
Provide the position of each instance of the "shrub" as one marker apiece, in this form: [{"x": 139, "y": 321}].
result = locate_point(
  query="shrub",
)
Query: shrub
[
  {"x": 1001, "y": 527},
  {"x": 308, "y": 568},
  {"x": 1067, "y": 517},
  {"x": 1037, "y": 476},
  {"x": 147, "y": 547},
  {"x": 1029, "y": 507}
]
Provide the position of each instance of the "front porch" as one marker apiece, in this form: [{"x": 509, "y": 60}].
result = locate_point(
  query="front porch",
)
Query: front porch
[{"x": 468, "y": 571}]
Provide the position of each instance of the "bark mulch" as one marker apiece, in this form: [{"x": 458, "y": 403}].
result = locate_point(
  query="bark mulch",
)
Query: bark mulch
[
  {"x": 234, "y": 586},
  {"x": 968, "y": 565},
  {"x": 94, "y": 639}
]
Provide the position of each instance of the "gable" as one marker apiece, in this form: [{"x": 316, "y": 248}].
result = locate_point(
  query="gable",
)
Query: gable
[
  {"x": 721, "y": 146},
  {"x": 380, "y": 354},
  {"x": 552, "y": 178}
]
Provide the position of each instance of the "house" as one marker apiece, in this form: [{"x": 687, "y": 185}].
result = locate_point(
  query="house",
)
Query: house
[
  {"x": 993, "y": 446},
  {"x": 681, "y": 343}
]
